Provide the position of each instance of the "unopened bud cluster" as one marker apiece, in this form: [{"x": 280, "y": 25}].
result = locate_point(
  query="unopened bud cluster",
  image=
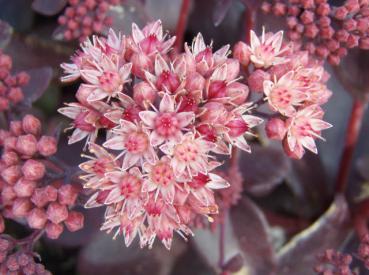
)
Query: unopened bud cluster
[
  {"x": 82, "y": 18},
  {"x": 334, "y": 262},
  {"x": 16, "y": 260},
  {"x": 10, "y": 85},
  {"x": 325, "y": 31},
  {"x": 26, "y": 191}
]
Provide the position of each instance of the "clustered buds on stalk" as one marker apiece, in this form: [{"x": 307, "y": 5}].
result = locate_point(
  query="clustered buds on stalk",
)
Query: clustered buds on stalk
[
  {"x": 334, "y": 262},
  {"x": 10, "y": 85},
  {"x": 83, "y": 18},
  {"x": 168, "y": 116},
  {"x": 27, "y": 191},
  {"x": 326, "y": 31},
  {"x": 17, "y": 259}
]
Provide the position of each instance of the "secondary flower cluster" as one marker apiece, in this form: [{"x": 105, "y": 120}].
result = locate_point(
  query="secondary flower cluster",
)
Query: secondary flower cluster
[
  {"x": 334, "y": 262},
  {"x": 167, "y": 116},
  {"x": 328, "y": 31},
  {"x": 10, "y": 85},
  {"x": 294, "y": 87},
  {"x": 82, "y": 18},
  {"x": 26, "y": 191},
  {"x": 16, "y": 259}
]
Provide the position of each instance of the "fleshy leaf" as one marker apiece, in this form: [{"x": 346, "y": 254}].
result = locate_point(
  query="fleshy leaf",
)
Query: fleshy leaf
[
  {"x": 298, "y": 256},
  {"x": 47, "y": 7},
  {"x": 6, "y": 32},
  {"x": 220, "y": 11},
  {"x": 251, "y": 230},
  {"x": 39, "y": 81},
  {"x": 254, "y": 166}
]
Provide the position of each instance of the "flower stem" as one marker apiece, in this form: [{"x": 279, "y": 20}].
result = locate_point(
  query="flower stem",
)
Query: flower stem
[
  {"x": 250, "y": 16},
  {"x": 222, "y": 241},
  {"x": 352, "y": 134},
  {"x": 181, "y": 24}
]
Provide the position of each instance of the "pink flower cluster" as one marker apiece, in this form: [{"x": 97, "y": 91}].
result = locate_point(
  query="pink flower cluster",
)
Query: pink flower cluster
[
  {"x": 10, "y": 85},
  {"x": 82, "y": 18},
  {"x": 334, "y": 262},
  {"x": 363, "y": 250},
  {"x": 27, "y": 193},
  {"x": 293, "y": 85},
  {"x": 15, "y": 260},
  {"x": 168, "y": 116},
  {"x": 326, "y": 31}
]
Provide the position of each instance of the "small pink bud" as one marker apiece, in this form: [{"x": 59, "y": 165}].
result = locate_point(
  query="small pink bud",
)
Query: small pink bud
[
  {"x": 10, "y": 143},
  {"x": 297, "y": 153},
  {"x": 307, "y": 17},
  {"x": 363, "y": 24},
  {"x": 23, "y": 78},
  {"x": 144, "y": 94},
  {"x": 323, "y": 9},
  {"x": 352, "y": 6},
  {"x": 332, "y": 45},
  {"x": 342, "y": 52},
  {"x": 352, "y": 41},
  {"x": 3, "y": 135},
  {"x": 215, "y": 113},
  {"x": 47, "y": 146},
  {"x": 24, "y": 188},
  {"x": 327, "y": 32},
  {"x": 233, "y": 68},
  {"x": 10, "y": 158},
  {"x": 333, "y": 59},
  {"x": 256, "y": 80},
  {"x": 349, "y": 24},
  {"x": 15, "y": 95},
  {"x": 53, "y": 231},
  {"x": 23, "y": 259},
  {"x": 27, "y": 145},
  {"x": 41, "y": 196},
  {"x": 37, "y": 218},
  {"x": 291, "y": 22},
  {"x": 276, "y": 129},
  {"x": 82, "y": 93},
  {"x": 21, "y": 207},
  {"x": 237, "y": 92},
  {"x": 279, "y": 9},
  {"x": 242, "y": 53},
  {"x": 168, "y": 81},
  {"x": 194, "y": 82},
  {"x": 311, "y": 31},
  {"x": 12, "y": 264},
  {"x": 7, "y": 195},
  {"x": 217, "y": 89},
  {"x": 31, "y": 125},
  {"x": 237, "y": 127},
  {"x": 141, "y": 63},
  {"x": 56, "y": 212},
  {"x": 293, "y": 10},
  {"x": 11, "y": 174},
  {"x": 75, "y": 221},
  {"x": 364, "y": 43},
  {"x": 324, "y": 21},
  {"x": 16, "y": 128},
  {"x": 341, "y": 35},
  {"x": 33, "y": 170},
  {"x": 266, "y": 7},
  {"x": 322, "y": 52},
  {"x": 308, "y": 4},
  {"x": 67, "y": 194}
]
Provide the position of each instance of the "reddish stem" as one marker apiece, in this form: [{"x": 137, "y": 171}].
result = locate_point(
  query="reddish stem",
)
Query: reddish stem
[
  {"x": 352, "y": 133},
  {"x": 250, "y": 16},
  {"x": 181, "y": 24}
]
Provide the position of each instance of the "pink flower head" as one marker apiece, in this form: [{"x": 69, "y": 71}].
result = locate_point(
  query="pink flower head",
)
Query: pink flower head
[
  {"x": 284, "y": 94},
  {"x": 304, "y": 128},
  {"x": 161, "y": 178},
  {"x": 166, "y": 123},
  {"x": 150, "y": 40},
  {"x": 97, "y": 166},
  {"x": 190, "y": 156},
  {"x": 166, "y": 78},
  {"x": 267, "y": 51},
  {"x": 133, "y": 141},
  {"x": 204, "y": 57}
]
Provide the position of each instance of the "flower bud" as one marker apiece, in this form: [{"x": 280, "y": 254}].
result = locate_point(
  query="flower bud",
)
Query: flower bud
[
  {"x": 56, "y": 212},
  {"x": 53, "y": 231},
  {"x": 4, "y": 135},
  {"x": 74, "y": 221},
  {"x": 11, "y": 174},
  {"x": 307, "y": 17},
  {"x": 22, "y": 78},
  {"x": 194, "y": 82},
  {"x": 7, "y": 195},
  {"x": 144, "y": 94},
  {"x": 340, "y": 13},
  {"x": 242, "y": 53},
  {"x": 21, "y": 207},
  {"x": 24, "y": 188},
  {"x": 37, "y": 218},
  {"x": 12, "y": 264},
  {"x": 140, "y": 64},
  {"x": 47, "y": 146},
  {"x": 275, "y": 129},
  {"x": 237, "y": 127},
  {"x": 33, "y": 170},
  {"x": 67, "y": 194},
  {"x": 215, "y": 113},
  {"x": 237, "y": 92},
  {"x": 217, "y": 89},
  {"x": 297, "y": 153},
  {"x": 16, "y": 128},
  {"x": 10, "y": 158},
  {"x": 10, "y": 143},
  {"x": 15, "y": 95},
  {"x": 24, "y": 259},
  {"x": 41, "y": 196},
  {"x": 31, "y": 125},
  {"x": 256, "y": 80},
  {"x": 26, "y": 145}
]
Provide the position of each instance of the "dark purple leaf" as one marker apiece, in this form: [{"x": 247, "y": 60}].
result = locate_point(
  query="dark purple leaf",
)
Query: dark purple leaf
[
  {"x": 251, "y": 230},
  {"x": 362, "y": 165},
  {"x": 234, "y": 264},
  {"x": 17, "y": 13},
  {"x": 106, "y": 256},
  {"x": 6, "y": 32},
  {"x": 220, "y": 11},
  {"x": 298, "y": 256},
  {"x": 39, "y": 81},
  {"x": 252, "y": 4},
  {"x": 47, "y": 7},
  {"x": 264, "y": 169}
]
